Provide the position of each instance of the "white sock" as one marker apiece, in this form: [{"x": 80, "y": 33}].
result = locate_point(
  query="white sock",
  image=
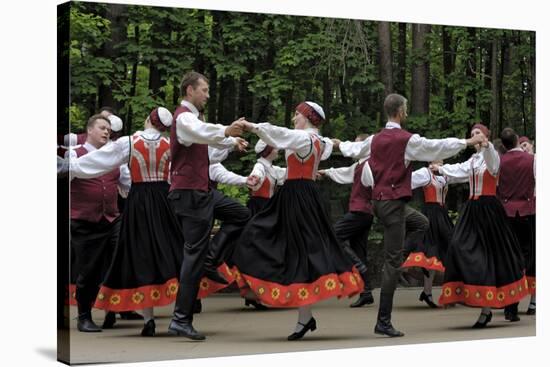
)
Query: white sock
[
  {"x": 428, "y": 282},
  {"x": 304, "y": 315},
  {"x": 148, "y": 314}
]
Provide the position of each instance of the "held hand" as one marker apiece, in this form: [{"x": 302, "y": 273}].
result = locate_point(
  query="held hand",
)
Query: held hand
[
  {"x": 485, "y": 143},
  {"x": 241, "y": 144},
  {"x": 321, "y": 174},
  {"x": 336, "y": 142},
  {"x": 434, "y": 167},
  {"x": 252, "y": 181},
  {"x": 236, "y": 128},
  {"x": 476, "y": 139}
]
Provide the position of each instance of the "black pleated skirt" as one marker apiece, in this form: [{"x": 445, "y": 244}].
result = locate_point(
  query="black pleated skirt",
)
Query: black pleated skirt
[
  {"x": 430, "y": 252},
  {"x": 288, "y": 254},
  {"x": 256, "y": 204},
  {"x": 484, "y": 265},
  {"x": 146, "y": 264}
]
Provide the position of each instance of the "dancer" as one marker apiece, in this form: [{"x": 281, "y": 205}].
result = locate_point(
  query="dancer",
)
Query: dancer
[
  {"x": 353, "y": 228},
  {"x": 391, "y": 151},
  {"x": 264, "y": 178},
  {"x": 429, "y": 252},
  {"x": 288, "y": 254},
  {"x": 484, "y": 265},
  {"x": 95, "y": 223},
  {"x": 516, "y": 191},
  {"x": 526, "y": 145},
  {"x": 194, "y": 204},
  {"x": 145, "y": 267}
]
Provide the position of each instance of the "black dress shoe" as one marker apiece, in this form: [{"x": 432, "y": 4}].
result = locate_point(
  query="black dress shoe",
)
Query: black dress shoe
[
  {"x": 130, "y": 315},
  {"x": 257, "y": 305},
  {"x": 186, "y": 330},
  {"x": 387, "y": 330},
  {"x": 482, "y": 324},
  {"x": 109, "y": 320},
  {"x": 310, "y": 325},
  {"x": 428, "y": 299},
  {"x": 197, "y": 306},
  {"x": 511, "y": 316},
  {"x": 87, "y": 325},
  {"x": 148, "y": 328},
  {"x": 213, "y": 274},
  {"x": 365, "y": 298},
  {"x": 531, "y": 310}
]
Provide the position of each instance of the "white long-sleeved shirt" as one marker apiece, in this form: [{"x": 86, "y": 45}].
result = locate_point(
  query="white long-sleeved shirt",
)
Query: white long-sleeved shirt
[
  {"x": 418, "y": 148},
  {"x": 293, "y": 141},
  {"x": 87, "y": 169},
  {"x": 419, "y": 178},
  {"x": 218, "y": 173},
  {"x": 486, "y": 159},
  {"x": 190, "y": 130},
  {"x": 343, "y": 175},
  {"x": 264, "y": 169}
]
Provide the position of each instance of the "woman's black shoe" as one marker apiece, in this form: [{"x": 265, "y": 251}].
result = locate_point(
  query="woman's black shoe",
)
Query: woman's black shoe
[
  {"x": 428, "y": 299},
  {"x": 109, "y": 321},
  {"x": 531, "y": 310},
  {"x": 311, "y": 325},
  {"x": 481, "y": 325},
  {"x": 148, "y": 328},
  {"x": 256, "y": 304}
]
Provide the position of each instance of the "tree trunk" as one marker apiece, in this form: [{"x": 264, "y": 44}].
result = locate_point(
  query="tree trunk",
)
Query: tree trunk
[
  {"x": 420, "y": 93},
  {"x": 289, "y": 106},
  {"x": 133, "y": 83},
  {"x": 485, "y": 111},
  {"x": 533, "y": 81},
  {"x": 471, "y": 64},
  {"x": 448, "y": 69},
  {"x": 495, "y": 105},
  {"x": 117, "y": 15},
  {"x": 400, "y": 86},
  {"x": 384, "y": 44},
  {"x": 327, "y": 98}
]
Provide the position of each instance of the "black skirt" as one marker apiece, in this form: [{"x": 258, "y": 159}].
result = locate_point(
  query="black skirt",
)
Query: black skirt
[
  {"x": 256, "y": 204},
  {"x": 525, "y": 230},
  {"x": 484, "y": 265},
  {"x": 146, "y": 264},
  {"x": 288, "y": 254},
  {"x": 429, "y": 253}
]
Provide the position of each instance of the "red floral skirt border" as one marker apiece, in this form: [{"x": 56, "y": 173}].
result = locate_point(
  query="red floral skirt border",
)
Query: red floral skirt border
[
  {"x": 532, "y": 283},
  {"x": 484, "y": 296},
  {"x": 301, "y": 294},
  {"x": 419, "y": 259},
  {"x": 158, "y": 295}
]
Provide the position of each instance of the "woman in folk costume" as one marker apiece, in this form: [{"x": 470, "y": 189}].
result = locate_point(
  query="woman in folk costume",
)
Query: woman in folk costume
[
  {"x": 429, "y": 252},
  {"x": 288, "y": 254},
  {"x": 264, "y": 177},
  {"x": 146, "y": 263},
  {"x": 484, "y": 265}
]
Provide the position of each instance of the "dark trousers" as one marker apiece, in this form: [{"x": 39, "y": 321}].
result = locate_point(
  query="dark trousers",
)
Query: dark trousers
[
  {"x": 352, "y": 231},
  {"x": 93, "y": 245},
  {"x": 196, "y": 211},
  {"x": 399, "y": 220}
]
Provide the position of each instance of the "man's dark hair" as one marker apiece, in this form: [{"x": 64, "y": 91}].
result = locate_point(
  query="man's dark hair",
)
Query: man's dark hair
[
  {"x": 92, "y": 120},
  {"x": 108, "y": 109},
  {"x": 509, "y": 138},
  {"x": 393, "y": 104},
  {"x": 190, "y": 79}
]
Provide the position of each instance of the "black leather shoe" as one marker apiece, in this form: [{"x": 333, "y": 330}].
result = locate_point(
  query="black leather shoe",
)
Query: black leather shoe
[
  {"x": 148, "y": 328},
  {"x": 257, "y": 305},
  {"x": 365, "y": 298},
  {"x": 109, "y": 321},
  {"x": 186, "y": 330},
  {"x": 213, "y": 274},
  {"x": 482, "y": 324},
  {"x": 197, "y": 306},
  {"x": 310, "y": 325},
  {"x": 130, "y": 315},
  {"x": 87, "y": 325},
  {"x": 387, "y": 330},
  {"x": 428, "y": 299},
  {"x": 532, "y": 309},
  {"x": 511, "y": 316}
]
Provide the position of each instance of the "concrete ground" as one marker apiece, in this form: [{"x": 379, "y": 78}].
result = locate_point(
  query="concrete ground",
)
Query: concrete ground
[{"x": 232, "y": 329}]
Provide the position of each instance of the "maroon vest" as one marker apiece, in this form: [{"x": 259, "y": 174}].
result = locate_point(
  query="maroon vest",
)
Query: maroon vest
[
  {"x": 392, "y": 180},
  {"x": 189, "y": 167},
  {"x": 359, "y": 200},
  {"x": 95, "y": 198},
  {"x": 516, "y": 185}
]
